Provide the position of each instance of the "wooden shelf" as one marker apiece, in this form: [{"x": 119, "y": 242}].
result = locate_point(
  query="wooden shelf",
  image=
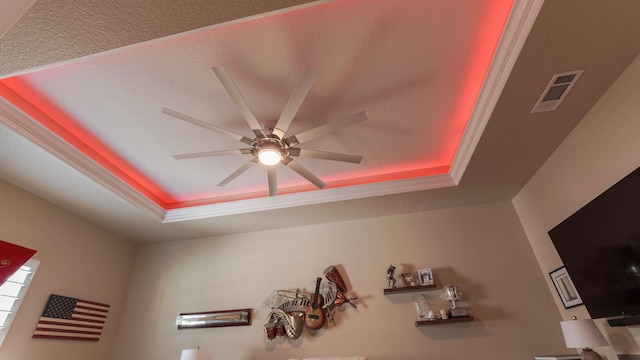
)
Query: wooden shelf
[
  {"x": 447, "y": 321},
  {"x": 409, "y": 289}
]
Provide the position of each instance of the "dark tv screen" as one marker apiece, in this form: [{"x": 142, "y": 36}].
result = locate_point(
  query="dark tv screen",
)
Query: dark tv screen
[{"x": 600, "y": 248}]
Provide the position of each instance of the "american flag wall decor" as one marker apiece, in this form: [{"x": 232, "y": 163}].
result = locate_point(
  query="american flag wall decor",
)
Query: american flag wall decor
[{"x": 73, "y": 319}]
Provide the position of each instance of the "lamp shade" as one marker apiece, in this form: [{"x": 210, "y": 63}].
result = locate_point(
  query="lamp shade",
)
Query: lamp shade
[
  {"x": 582, "y": 333},
  {"x": 195, "y": 354}
]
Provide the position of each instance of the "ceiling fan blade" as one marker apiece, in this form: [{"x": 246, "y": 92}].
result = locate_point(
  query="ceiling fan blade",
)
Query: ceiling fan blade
[
  {"x": 273, "y": 180},
  {"x": 241, "y": 104},
  {"x": 206, "y": 125},
  {"x": 303, "y": 172},
  {"x": 292, "y": 106},
  {"x": 211, "y": 153},
  {"x": 356, "y": 159},
  {"x": 326, "y": 129},
  {"x": 238, "y": 172}
]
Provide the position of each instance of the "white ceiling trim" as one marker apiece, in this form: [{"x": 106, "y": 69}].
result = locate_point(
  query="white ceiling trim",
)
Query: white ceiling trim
[
  {"x": 309, "y": 198},
  {"x": 520, "y": 21},
  {"x": 24, "y": 125}
]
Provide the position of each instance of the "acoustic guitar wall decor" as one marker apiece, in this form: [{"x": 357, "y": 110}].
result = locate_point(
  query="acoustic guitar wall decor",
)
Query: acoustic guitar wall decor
[{"x": 292, "y": 311}]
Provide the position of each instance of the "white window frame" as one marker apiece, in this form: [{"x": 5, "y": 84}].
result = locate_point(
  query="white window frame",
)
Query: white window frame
[{"x": 10, "y": 312}]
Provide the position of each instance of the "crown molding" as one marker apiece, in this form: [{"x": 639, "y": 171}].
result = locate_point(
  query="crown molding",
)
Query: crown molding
[
  {"x": 24, "y": 125},
  {"x": 523, "y": 15},
  {"x": 309, "y": 198}
]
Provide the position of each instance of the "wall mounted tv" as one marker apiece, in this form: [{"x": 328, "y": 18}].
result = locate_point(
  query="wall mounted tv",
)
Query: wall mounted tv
[{"x": 600, "y": 248}]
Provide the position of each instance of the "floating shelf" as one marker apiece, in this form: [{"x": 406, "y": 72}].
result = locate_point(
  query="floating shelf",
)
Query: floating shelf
[
  {"x": 409, "y": 289},
  {"x": 446, "y": 321}
]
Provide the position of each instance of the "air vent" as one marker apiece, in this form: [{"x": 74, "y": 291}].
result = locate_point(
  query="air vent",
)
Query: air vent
[{"x": 556, "y": 91}]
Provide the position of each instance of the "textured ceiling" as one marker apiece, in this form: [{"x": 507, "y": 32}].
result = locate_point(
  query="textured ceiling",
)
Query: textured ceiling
[
  {"x": 60, "y": 30},
  {"x": 513, "y": 145}
]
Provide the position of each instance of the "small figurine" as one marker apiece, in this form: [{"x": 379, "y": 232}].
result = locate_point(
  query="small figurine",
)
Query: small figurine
[
  {"x": 391, "y": 280},
  {"x": 431, "y": 315},
  {"x": 443, "y": 314}
]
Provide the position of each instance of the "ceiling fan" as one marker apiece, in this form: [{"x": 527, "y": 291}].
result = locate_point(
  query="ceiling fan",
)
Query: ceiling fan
[{"x": 270, "y": 146}]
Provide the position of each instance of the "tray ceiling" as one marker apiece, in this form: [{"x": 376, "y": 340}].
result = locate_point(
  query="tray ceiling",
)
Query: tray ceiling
[
  {"x": 416, "y": 68},
  {"x": 82, "y": 99}
]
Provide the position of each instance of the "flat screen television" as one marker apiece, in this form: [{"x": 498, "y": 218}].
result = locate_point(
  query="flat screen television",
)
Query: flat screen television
[{"x": 600, "y": 248}]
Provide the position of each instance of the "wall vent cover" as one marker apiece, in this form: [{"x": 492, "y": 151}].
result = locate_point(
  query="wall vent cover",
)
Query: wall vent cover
[{"x": 556, "y": 91}]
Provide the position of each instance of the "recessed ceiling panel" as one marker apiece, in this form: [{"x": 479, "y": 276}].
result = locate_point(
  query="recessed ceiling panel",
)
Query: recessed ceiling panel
[{"x": 416, "y": 68}]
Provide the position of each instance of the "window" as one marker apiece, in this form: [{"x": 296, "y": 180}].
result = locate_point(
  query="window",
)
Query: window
[{"x": 12, "y": 292}]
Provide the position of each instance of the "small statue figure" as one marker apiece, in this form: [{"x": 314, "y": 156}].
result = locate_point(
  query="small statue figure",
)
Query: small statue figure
[
  {"x": 390, "y": 278},
  {"x": 443, "y": 314}
]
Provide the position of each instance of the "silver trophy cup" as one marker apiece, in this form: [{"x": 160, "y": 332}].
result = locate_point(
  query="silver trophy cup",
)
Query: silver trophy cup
[{"x": 451, "y": 294}]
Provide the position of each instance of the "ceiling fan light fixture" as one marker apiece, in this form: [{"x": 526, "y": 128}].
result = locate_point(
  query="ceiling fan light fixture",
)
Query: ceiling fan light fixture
[
  {"x": 269, "y": 147},
  {"x": 270, "y": 154}
]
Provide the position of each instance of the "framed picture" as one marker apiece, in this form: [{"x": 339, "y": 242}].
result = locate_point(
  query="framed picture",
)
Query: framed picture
[
  {"x": 425, "y": 277},
  {"x": 214, "y": 319},
  {"x": 566, "y": 290},
  {"x": 408, "y": 279}
]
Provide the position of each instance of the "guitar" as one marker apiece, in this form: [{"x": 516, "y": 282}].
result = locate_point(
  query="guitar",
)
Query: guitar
[{"x": 315, "y": 318}]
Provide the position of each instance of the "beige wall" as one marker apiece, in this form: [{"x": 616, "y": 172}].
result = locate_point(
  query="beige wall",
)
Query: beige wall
[
  {"x": 482, "y": 249},
  {"x": 601, "y": 150},
  {"x": 77, "y": 259}
]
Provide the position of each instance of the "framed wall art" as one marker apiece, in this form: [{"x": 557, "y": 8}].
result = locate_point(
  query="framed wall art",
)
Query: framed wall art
[
  {"x": 206, "y": 319},
  {"x": 407, "y": 278},
  {"x": 566, "y": 290},
  {"x": 425, "y": 277}
]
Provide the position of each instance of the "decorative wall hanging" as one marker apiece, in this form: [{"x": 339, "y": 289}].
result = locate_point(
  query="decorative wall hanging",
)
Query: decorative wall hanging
[
  {"x": 11, "y": 258},
  {"x": 222, "y": 318},
  {"x": 72, "y": 319},
  {"x": 294, "y": 310}
]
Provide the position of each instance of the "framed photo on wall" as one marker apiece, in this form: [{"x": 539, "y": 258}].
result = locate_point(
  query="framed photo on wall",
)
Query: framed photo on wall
[{"x": 566, "y": 290}]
